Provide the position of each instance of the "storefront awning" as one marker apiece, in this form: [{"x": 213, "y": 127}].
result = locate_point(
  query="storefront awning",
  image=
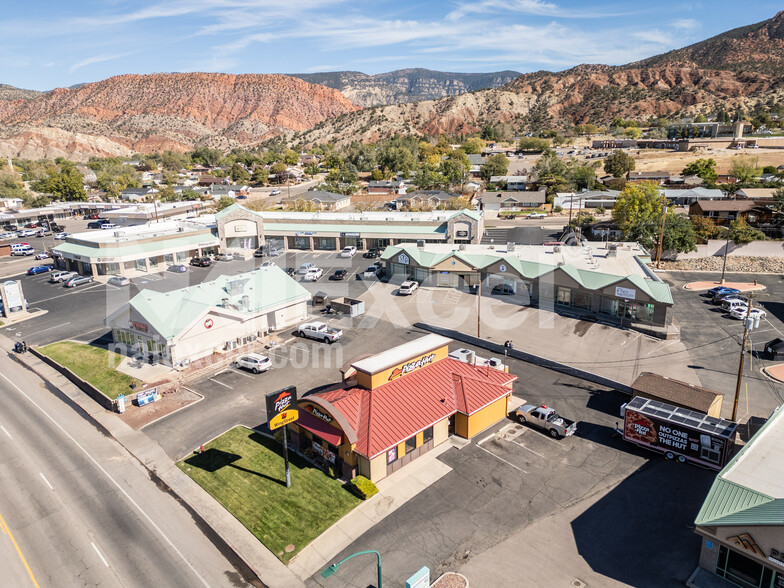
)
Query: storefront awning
[{"x": 319, "y": 428}]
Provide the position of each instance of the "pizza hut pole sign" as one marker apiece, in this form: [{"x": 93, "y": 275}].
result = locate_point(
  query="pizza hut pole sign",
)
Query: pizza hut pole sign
[{"x": 280, "y": 412}]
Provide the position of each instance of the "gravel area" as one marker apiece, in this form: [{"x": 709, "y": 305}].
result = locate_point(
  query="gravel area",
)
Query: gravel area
[
  {"x": 735, "y": 263},
  {"x": 138, "y": 416},
  {"x": 451, "y": 580}
]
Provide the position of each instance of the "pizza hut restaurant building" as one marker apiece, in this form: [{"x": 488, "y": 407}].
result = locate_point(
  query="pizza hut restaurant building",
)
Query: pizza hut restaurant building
[{"x": 399, "y": 404}]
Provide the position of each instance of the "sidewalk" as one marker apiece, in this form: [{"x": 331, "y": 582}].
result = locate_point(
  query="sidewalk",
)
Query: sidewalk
[
  {"x": 269, "y": 568},
  {"x": 393, "y": 492}
]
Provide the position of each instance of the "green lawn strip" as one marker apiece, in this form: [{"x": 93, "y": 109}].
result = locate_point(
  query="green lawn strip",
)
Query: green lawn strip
[
  {"x": 244, "y": 472},
  {"x": 92, "y": 365}
]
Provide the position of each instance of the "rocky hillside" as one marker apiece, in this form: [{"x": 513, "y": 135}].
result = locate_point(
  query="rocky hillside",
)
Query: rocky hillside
[
  {"x": 165, "y": 111},
  {"x": 406, "y": 85},
  {"x": 11, "y": 93},
  {"x": 683, "y": 82}
]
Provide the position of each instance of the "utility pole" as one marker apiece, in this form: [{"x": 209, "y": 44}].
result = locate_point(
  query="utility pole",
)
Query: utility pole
[
  {"x": 479, "y": 309},
  {"x": 742, "y": 357},
  {"x": 661, "y": 235},
  {"x": 726, "y": 250}
]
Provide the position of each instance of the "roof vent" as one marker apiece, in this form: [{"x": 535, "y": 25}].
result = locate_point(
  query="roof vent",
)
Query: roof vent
[
  {"x": 510, "y": 246},
  {"x": 224, "y": 302},
  {"x": 560, "y": 263},
  {"x": 462, "y": 247},
  {"x": 421, "y": 243}
]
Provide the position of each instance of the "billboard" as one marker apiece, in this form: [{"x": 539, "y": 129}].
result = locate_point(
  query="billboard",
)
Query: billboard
[
  {"x": 13, "y": 296},
  {"x": 281, "y": 407}
]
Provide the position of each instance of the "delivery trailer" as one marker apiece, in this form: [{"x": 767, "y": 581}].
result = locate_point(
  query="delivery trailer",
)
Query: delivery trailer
[{"x": 679, "y": 433}]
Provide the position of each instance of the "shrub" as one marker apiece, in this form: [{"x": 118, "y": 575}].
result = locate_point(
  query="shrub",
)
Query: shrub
[
  {"x": 557, "y": 208},
  {"x": 600, "y": 210},
  {"x": 362, "y": 487}
]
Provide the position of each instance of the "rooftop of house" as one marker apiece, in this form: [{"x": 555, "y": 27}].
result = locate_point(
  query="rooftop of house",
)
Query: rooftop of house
[
  {"x": 675, "y": 391},
  {"x": 725, "y": 205},
  {"x": 320, "y": 195}
]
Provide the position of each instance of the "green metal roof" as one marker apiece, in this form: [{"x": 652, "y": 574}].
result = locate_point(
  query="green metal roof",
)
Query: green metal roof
[
  {"x": 137, "y": 248},
  {"x": 588, "y": 279},
  {"x": 169, "y": 313},
  {"x": 731, "y": 504}
]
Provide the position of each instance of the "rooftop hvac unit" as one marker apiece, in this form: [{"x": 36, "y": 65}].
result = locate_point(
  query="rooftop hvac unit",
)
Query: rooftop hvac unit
[
  {"x": 464, "y": 355},
  {"x": 225, "y": 302},
  {"x": 421, "y": 243},
  {"x": 245, "y": 301},
  {"x": 560, "y": 263},
  {"x": 556, "y": 248},
  {"x": 462, "y": 247}
]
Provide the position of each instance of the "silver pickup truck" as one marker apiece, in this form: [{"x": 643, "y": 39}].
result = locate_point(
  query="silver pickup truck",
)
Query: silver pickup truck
[
  {"x": 545, "y": 418},
  {"x": 319, "y": 331}
]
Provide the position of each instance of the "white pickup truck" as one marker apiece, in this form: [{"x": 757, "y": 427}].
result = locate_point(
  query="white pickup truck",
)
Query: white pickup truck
[
  {"x": 319, "y": 331},
  {"x": 545, "y": 418}
]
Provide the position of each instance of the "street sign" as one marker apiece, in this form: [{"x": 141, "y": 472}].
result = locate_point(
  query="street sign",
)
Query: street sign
[{"x": 281, "y": 407}]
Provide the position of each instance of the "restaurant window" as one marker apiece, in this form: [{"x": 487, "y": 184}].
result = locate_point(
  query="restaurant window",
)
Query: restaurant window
[
  {"x": 427, "y": 435},
  {"x": 392, "y": 455},
  {"x": 741, "y": 570},
  {"x": 410, "y": 444}
]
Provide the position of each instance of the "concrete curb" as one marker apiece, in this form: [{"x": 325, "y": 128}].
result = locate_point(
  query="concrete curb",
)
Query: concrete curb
[
  {"x": 235, "y": 537},
  {"x": 528, "y": 357}
]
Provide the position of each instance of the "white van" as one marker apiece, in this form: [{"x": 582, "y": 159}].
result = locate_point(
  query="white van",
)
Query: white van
[
  {"x": 106, "y": 226},
  {"x": 733, "y": 304},
  {"x": 56, "y": 277},
  {"x": 21, "y": 249}
]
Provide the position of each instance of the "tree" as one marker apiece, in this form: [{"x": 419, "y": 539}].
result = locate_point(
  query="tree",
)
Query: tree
[
  {"x": 583, "y": 176},
  {"x": 704, "y": 168},
  {"x": 488, "y": 132},
  {"x": 496, "y": 165},
  {"x": 678, "y": 233},
  {"x": 260, "y": 175},
  {"x": 706, "y": 228},
  {"x": 290, "y": 157},
  {"x": 456, "y": 203},
  {"x": 700, "y": 118},
  {"x": 533, "y": 144},
  {"x": 280, "y": 171},
  {"x": 618, "y": 164},
  {"x": 778, "y": 199},
  {"x": 550, "y": 171},
  {"x": 473, "y": 146},
  {"x": 455, "y": 167},
  {"x": 63, "y": 184},
  {"x": 313, "y": 169},
  {"x": 10, "y": 185},
  {"x": 206, "y": 156},
  {"x": 239, "y": 174},
  {"x": 173, "y": 161},
  {"x": 224, "y": 202},
  {"x": 744, "y": 168},
  {"x": 741, "y": 233},
  {"x": 302, "y": 205},
  {"x": 632, "y": 132},
  {"x": 638, "y": 211}
]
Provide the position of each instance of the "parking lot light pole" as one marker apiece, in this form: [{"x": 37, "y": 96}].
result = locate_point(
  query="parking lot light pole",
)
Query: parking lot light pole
[
  {"x": 726, "y": 250},
  {"x": 742, "y": 357},
  {"x": 334, "y": 567},
  {"x": 479, "y": 309}
]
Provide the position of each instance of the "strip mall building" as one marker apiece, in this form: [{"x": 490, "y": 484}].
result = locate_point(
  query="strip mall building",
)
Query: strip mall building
[{"x": 405, "y": 401}]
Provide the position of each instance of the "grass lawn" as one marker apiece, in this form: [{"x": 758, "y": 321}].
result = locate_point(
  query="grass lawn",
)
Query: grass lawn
[
  {"x": 244, "y": 472},
  {"x": 91, "y": 364}
]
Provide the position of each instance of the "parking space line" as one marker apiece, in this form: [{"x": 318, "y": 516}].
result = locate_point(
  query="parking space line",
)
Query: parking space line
[
  {"x": 73, "y": 291},
  {"x": 239, "y": 373},
  {"x": 47, "y": 329},
  {"x": 502, "y": 459},
  {"x": 220, "y": 383},
  {"x": 491, "y": 435},
  {"x": 529, "y": 449}
]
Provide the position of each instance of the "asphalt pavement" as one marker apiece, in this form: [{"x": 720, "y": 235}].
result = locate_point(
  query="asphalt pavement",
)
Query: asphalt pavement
[{"x": 82, "y": 511}]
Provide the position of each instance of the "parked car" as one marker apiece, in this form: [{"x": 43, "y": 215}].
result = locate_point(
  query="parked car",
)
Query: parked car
[
  {"x": 39, "y": 269},
  {"x": 502, "y": 290},
  {"x": 22, "y": 249},
  {"x": 254, "y": 362},
  {"x": 372, "y": 253},
  {"x": 740, "y": 312},
  {"x": 729, "y": 304},
  {"x": 32, "y": 225},
  {"x": 27, "y": 233},
  {"x": 721, "y": 290},
  {"x": 224, "y": 257},
  {"x": 5, "y": 236},
  {"x": 408, "y": 287},
  {"x": 61, "y": 236},
  {"x": 370, "y": 273},
  {"x": 108, "y": 226},
  {"x": 536, "y": 215},
  {"x": 42, "y": 255},
  {"x": 774, "y": 349},
  {"x": 349, "y": 251},
  {"x": 78, "y": 281},
  {"x": 339, "y": 274},
  {"x": 319, "y": 331},
  {"x": 118, "y": 281},
  {"x": 305, "y": 267},
  {"x": 720, "y": 298},
  {"x": 289, "y": 270},
  {"x": 268, "y": 264},
  {"x": 178, "y": 268},
  {"x": 95, "y": 224},
  {"x": 43, "y": 233},
  {"x": 546, "y": 419},
  {"x": 201, "y": 261},
  {"x": 61, "y": 276},
  {"x": 275, "y": 251},
  {"x": 259, "y": 252},
  {"x": 313, "y": 274},
  {"x": 275, "y": 192}
]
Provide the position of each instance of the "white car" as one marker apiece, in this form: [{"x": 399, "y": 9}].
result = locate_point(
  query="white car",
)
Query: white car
[
  {"x": 118, "y": 281},
  {"x": 42, "y": 255},
  {"x": 407, "y": 288},
  {"x": 224, "y": 257},
  {"x": 536, "y": 215},
  {"x": 305, "y": 268},
  {"x": 268, "y": 264},
  {"x": 348, "y": 252},
  {"x": 313, "y": 274},
  {"x": 739, "y": 312},
  {"x": 27, "y": 233},
  {"x": 274, "y": 192},
  {"x": 254, "y": 362},
  {"x": 5, "y": 236},
  {"x": 61, "y": 236}
]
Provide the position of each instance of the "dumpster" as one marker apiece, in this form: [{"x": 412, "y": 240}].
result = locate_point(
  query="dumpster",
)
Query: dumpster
[
  {"x": 320, "y": 298},
  {"x": 350, "y": 306}
]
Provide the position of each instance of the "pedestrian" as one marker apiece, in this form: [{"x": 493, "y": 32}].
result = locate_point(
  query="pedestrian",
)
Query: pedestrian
[{"x": 24, "y": 347}]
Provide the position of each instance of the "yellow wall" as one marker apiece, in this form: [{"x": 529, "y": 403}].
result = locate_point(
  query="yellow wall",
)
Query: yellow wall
[
  {"x": 715, "y": 408},
  {"x": 440, "y": 432},
  {"x": 378, "y": 467},
  {"x": 461, "y": 425},
  {"x": 372, "y": 381},
  {"x": 446, "y": 266},
  {"x": 419, "y": 439},
  {"x": 489, "y": 415}
]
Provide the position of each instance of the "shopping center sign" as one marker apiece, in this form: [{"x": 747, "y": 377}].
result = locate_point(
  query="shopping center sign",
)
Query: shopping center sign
[{"x": 281, "y": 407}]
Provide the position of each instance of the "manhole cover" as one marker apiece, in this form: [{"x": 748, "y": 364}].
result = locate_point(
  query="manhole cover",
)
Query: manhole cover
[{"x": 289, "y": 548}]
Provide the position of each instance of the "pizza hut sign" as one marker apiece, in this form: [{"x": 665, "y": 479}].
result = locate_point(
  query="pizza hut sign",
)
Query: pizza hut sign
[
  {"x": 208, "y": 323},
  {"x": 409, "y": 367}
]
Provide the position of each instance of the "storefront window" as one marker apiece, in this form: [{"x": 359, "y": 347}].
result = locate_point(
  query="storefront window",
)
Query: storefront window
[
  {"x": 742, "y": 570},
  {"x": 581, "y": 300},
  {"x": 564, "y": 296},
  {"x": 446, "y": 279},
  {"x": 611, "y": 306},
  {"x": 392, "y": 455},
  {"x": 427, "y": 435},
  {"x": 411, "y": 444},
  {"x": 301, "y": 242},
  {"x": 324, "y": 243}
]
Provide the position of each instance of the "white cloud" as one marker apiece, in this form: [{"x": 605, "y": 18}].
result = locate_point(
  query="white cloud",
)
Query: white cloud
[
  {"x": 685, "y": 24},
  {"x": 97, "y": 59}
]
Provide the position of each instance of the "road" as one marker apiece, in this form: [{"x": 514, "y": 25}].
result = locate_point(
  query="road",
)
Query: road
[{"x": 77, "y": 510}]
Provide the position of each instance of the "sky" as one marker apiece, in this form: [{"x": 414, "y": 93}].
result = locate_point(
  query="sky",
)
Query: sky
[{"x": 46, "y": 44}]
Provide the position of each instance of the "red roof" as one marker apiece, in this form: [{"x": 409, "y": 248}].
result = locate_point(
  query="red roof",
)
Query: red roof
[{"x": 394, "y": 412}]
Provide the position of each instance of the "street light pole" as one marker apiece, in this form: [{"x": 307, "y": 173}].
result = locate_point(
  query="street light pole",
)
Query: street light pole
[
  {"x": 726, "y": 250},
  {"x": 334, "y": 567},
  {"x": 742, "y": 357}
]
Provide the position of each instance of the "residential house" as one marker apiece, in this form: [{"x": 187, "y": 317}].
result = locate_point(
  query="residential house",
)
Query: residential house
[
  {"x": 513, "y": 183},
  {"x": 230, "y": 190},
  {"x": 659, "y": 177},
  {"x": 722, "y": 211},
  {"x": 207, "y": 180},
  {"x": 680, "y": 197},
  {"x": 425, "y": 198},
  {"x": 586, "y": 199},
  {"x": 514, "y": 200},
  {"x": 200, "y": 169},
  {"x": 137, "y": 194},
  {"x": 477, "y": 161},
  {"x": 323, "y": 200},
  {"x": 685, "y": 181},
  {"x": 385, "y": 187},
  {"x": 755, "y": 193},
  {"x": 308, "y": 159}
]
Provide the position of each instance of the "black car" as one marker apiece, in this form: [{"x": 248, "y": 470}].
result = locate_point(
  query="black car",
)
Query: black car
[
  {"x": 372, "y": 253},
  {"x": 259, "y": 252},
  {"x": 502, "y": 290},
  {"x": 338, "y": 275},
  {"x": 289, "y": 270},
  {"x": 95, "y": 224},
  {"x": 201, "y": 261}
]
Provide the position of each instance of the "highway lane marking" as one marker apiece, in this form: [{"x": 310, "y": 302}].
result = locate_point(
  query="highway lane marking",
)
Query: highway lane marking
[
  {"x": 47, "y": 482},
  {"x": 103, "y": 559},
  {"x": 47, "y": 329},
  {"x": 220, "y": 383},
  {"x": 6, "y": 432},
  {"x": 122, "y": 490},
  {"x": 502, "y": 459},
  {"x": 7, "y": 531}
]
